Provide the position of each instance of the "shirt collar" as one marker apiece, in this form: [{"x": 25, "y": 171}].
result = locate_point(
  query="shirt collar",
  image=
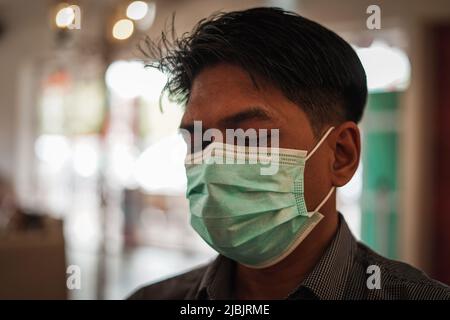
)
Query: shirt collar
[
  {"x": 217, "y": 282},
  {"x": 326, "y": 281}
]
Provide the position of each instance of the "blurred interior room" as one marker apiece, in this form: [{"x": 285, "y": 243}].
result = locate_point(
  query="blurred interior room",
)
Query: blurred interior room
[{"x": 91, "y": 161}]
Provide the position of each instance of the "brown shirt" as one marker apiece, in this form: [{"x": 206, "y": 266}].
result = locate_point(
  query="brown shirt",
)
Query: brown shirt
[{"x": 343, "y": 272}]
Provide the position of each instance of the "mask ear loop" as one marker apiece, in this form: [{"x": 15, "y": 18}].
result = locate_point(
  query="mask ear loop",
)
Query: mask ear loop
[
  {"x": 319, "y": 143},
  {"x": 325, "y": 199},
  {"x": 309, "y": 156}
]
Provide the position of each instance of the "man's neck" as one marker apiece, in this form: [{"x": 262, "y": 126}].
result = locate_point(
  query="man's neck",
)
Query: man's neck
[{"x": 281, "y": 279}]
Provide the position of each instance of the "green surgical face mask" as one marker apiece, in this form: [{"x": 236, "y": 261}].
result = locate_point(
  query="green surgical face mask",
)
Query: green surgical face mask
[{"x": 254, "y": 219}]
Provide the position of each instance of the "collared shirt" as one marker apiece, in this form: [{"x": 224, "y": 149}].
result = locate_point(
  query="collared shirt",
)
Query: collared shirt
[{"x": 347, "y": 270}]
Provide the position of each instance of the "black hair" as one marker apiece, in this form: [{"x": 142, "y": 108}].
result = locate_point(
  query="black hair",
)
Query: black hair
[{"x": 311, "y": 65}]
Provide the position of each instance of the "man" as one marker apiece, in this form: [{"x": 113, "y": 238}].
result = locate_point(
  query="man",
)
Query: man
[{"x": 279, "y": 236}]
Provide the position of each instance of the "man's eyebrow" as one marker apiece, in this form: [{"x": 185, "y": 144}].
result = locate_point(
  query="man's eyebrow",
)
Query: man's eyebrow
[{"x": 252, "y": 113}]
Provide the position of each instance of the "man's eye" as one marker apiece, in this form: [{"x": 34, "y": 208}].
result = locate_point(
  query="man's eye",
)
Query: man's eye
[{"x": 192, "y": 148}]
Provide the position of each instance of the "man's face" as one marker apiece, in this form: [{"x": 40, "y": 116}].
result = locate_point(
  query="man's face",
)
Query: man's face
[{"x": 224, "y": 97}]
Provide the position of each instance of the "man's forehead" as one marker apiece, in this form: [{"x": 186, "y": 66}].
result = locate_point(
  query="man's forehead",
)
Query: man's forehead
[
  {"x": 221, "y": 91},
  {"x": 219, "y": 81}
]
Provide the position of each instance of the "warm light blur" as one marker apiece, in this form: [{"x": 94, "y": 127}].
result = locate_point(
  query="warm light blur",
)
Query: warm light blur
[
  {"x": 387, "y": 68},
  {"x": 129, "y": 79},
  {"x": 137, "y": 10},
  {"x": 123, "y": 29},
  {"x": 64, "y": 17},
  {"x": 160, "y": 168}
]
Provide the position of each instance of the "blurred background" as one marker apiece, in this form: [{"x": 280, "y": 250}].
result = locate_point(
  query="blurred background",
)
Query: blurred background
[{"x": 91, "y": 171}]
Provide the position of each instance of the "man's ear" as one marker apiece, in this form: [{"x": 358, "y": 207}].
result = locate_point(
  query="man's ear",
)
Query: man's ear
[{"x": 347, "y": 151}]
